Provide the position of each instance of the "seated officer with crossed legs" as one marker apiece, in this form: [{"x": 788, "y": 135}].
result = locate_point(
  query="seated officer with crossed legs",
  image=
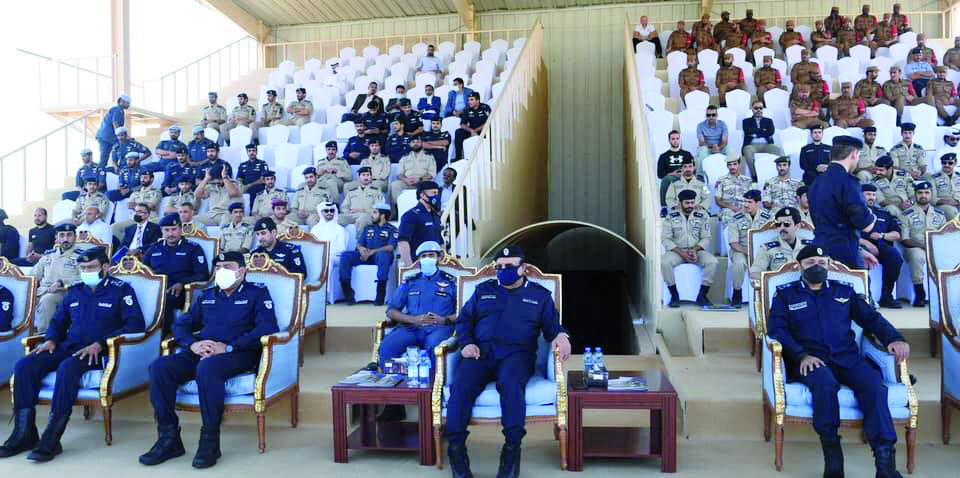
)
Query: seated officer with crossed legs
[
  {"x": 93, "y": 310},
  {"x": 221, "y": 335},
  {"x": 375, "y": 246},
  {"x": 498, "y": 330},
  {"x": 811, "y": 319},
  {"x": 879, "y": 242}
]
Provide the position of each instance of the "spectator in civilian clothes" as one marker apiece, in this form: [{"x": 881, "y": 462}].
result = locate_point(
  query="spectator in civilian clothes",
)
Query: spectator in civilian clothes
[
  {"x": 429, "y": 63},
  {"x": 645, "y": 32},
  {"x": 712, "y": 137},
  {"x": 668, "y": 165},
  {"x": 918, "y": 71},
  {"x": 41, "y": 239},
  {"x": 457, "y": 98},
  {"x": 429, "y": 105},
  {"x": 758, "y": 137}
]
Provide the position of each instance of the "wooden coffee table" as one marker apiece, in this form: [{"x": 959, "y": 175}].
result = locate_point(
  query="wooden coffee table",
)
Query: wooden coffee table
[
  {"x": 371, "y": 435},
  {"x": 660, "y": 440}
]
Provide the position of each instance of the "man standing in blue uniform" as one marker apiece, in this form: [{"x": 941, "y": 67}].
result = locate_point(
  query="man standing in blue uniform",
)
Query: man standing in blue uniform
[
  {"x": 97, "y": 308},
  {"x": 815, "y": 156},
  {"x": 286, "y": 254},
  {"x": 837, "y": 207},
  {"x": 220, "y": 338},
  {"x": 180, "y": 260},
  {"x": 376, "y": 246},
  {"x": 422, "y": 223},
  {"x": 879, "y": 242},
  {"x": 250, "y": 173},
  {"x": 106, "y": 135},
  {"x": 811, "y": 319},
  {"x": 498, "y": 331}
]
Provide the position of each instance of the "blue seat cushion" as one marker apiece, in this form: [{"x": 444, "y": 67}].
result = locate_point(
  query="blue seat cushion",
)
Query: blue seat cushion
[
  {"x": 800, "y": 401},
  {"x": 238, "y": 385},
  {"x": 89, "y": 379},
  {"x": 540, "y": 391}
]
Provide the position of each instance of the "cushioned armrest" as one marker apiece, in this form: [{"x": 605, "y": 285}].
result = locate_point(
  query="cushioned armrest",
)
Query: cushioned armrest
[
  {"x": 275, "y": 338},
  {"x": 312, "y": 286},
  {"x": 32, "y": 341},
  {"x": 168, "y": 346},
  {"x": 773, "y": 366},
  {"x": 126, "y": 339},
  {"x": 883, "y": 359},
  {"x": 6, "y": 334},
  {"x": 279, "y": 364}
]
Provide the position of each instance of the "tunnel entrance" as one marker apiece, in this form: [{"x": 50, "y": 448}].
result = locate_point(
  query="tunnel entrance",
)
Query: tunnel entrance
[{"x": 597, "y": 265}]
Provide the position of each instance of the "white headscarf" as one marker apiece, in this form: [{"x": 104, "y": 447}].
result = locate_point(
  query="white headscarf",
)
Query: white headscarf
[{"x": 331, "y": 231}]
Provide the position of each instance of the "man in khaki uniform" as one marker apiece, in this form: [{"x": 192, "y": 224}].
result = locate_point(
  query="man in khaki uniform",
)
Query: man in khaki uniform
[
  {"x": 729, "y": 78},
  {"x": 885, "y": 33},
  {"x": 730, "y": 189},
  {"x": 766, "y": 77},
  {"x": 214, "y": 115},
  {"x": 187, "y": 224},
  {"x": 803, "y": 205},
  {"x": 917, "y": 221},
  {"x": 703, "y": 25},
  {"x": 183, "y": 195},
  {"x": 735, "y": 39},
  {"x": 91, "y": 197},
  {"x": 821, "y": 36},
  {"x": 951, "y": 59},
  {"x": 309, "y": 196},
  {"x": 946, "y": 183},
  {"x": 941, "y": 93},
  {"x": 899, "y": 92},
  {"x": 781, "y": 190},
  {"x": 751, "y": 217},
  {"x": 834, "y": 21},
  {"x": 800, "y": 73},
  {"x": 686, "y": 235},
  {"x": 679, "y": 40},
  {"x": 894, "y": 188},
  {"x": 284, "y": 223},
  {"x": 774, "y": 254},
  {"x": 219, "y": 191},
  {"x": 899, "y": 20},
  {"x": 55, "y": 271},
  {"x": 691, "y": 78},
  {"x": 790, "y": 37},
  {"x": 243, "y": 114},
  {"x": 865, "y": 23},
  {"x": 379, "y": 165},
  {"x": 272, "y": 111},
  {"x": 358, "y": 204},
  {"x": 263, "y": 204},
  {"x": 908, "y": 155},
  {"x": 869, "y": 90},
  {"x": 927, "y": 53},
  {"x": 703, "y": 37},
  {"x": 416, "y": 166},
  {"x": 236, "y": 235},
  {"x": 748, "y": 24},
  {"x": 301, "y": 111},
  {"x": 846, "y": 38},
  {"x": 760, "y": 38},
  {"x": 723, "y": 28},
  {"x": 804, "y": 110},
  {"x": 332, "y": 172},
  {"x": 688, "y": 181},
  {"x": 849, "y": 111},
  {"x": 866, "y": 164}
]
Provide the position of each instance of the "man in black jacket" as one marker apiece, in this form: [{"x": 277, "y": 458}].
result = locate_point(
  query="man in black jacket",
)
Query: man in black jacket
[
  {"x": 668, "y": 165},
  {"x": 142, "y": 234},
  {"x": 758, "y": 137},
  {"x": 815, "y": 156}
]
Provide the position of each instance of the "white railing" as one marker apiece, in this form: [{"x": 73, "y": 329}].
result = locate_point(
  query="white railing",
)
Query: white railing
[
  {"x": 77, "y": 82},
  {"x": 27, "y": 172}
]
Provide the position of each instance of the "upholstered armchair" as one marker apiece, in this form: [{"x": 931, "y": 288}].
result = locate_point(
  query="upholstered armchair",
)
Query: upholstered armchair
[
  {"x": 546, "y": 392},
  {"x": 448, "y": 264},
  {"x": 316, "y": 255},
  {"x": 942, "y": 255},
  {"x": 85, "y": 240},
  {"x": 24, "y": 291},
  {"x": 210, "y": 245},
  {"x": 791, "y": 402},
  {"x": 948, "y": 283},
  {"x": 278, "y": 374},
  {"x": 128, "y": 356}
]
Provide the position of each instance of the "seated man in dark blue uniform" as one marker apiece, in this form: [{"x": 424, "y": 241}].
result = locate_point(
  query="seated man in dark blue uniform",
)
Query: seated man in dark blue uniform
[
  {"x": 879, "y": 242},
  {"x": 811, "y": 319},
  {"x": 250, "y": 173},
  {"x": 180, "y": 260},
  {"x": 422, "y": 223},
  {"x": 6, "y": 309},
  {"x": 93, "y": 310},
  {"x": 220, "y": 337},
  {"x": 286, "y": 254},
  {"x": 498, "y": 330},
  {"x": 376, "y": 246}
]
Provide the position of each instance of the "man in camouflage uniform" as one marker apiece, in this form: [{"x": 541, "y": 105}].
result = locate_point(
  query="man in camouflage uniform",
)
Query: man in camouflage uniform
[
  {"x": 236, "y": 235},
  {"x": 703, "y": 25},
  {"x": 946, "y": 183},
  {"x": 803, "y": 205},
  {"x": 703, "y": 37},
  {"x": 688, "y": 181},
  {"x": 735, "y": 39},
  {"x": 263, "y": 204},
  {"x": 800, "y": 72},
  {"x": 865, "y": 23},
  {"x": 751, "y": 217},
  {"x": 56, "y": 271},
  {"x": 183, "y": 195},
  {"x": 309, "y": 196},
  {"x": 941, "y": 93},
  {"x": 926, "y": 52},
  {"x": 834, "y": 21},
  {"x": 243, "y": 114},
  {"x": 760, "y": 38},
  {"x": 869, "y": 90},
  {"x": 357, "y": 206},
  {"x": 301, "y": 110},
  {"x": 804, "y": 110},
  {"x": 91, "y": 197},
  {"x": 686, "y": 234},
  {"x": 820, "y": 92},
  {"x": 885, "y": 34},
  {"x": 781, "y": 190},
  {"x": 729, "y": 78},
  {"x": 909, "y": 156},
  {"x": 821, "y": 36},
  {"x": 679, "y": 40},
  {"x": 766, "y": 77},
  {"x": 790, "y": 37},
  {"x": 894, "y": 188},
  {"x": 846, "y": 39},
  {"x": 729, "y": 190},
  {"x": 866, "y": 164},
  {"x": 214, "y": 115},
  {"x": 691, "y": 78},
  {"x": 917, "y": 221},
  {"x": 899, "y": 92},
  {"x": 951, "y": 59},
  {"x": 774, "y": 254},
  {"x": 849, "y": 111}
]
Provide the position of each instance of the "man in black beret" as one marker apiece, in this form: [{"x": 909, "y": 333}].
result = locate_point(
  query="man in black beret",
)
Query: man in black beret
[
  {"x": 686, "y": 235},
  {"x": 879, "y": 243},
  {"x": 286, "y": 254},
  {"x": 181, "y": 260},
  {"x": 910, "y": 156},
  {"x": 422, "y": 223}
]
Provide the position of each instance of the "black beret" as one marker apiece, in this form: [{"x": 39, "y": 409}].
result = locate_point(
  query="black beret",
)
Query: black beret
[
  {"x": 426, "y": 185},
  {"x": 235, "y": 205},
  {"x": 916, "y": 51},
  {"x": 790, "y": 212},
  {"x": 331, "y": 144},
  {"x": 884, "y": 161},
  {"x": 908, "y": 127},
  {"x": 272, "y": 92},
  {"x": 269, "y": 174},
  {"x": 922, "y": 185},
  {"x": 847, "y": 141},
  {"x": 232, "y": 256},
  {"x": 66, "y": 227},
  {"x": 782, "y": 159},
  {"x": 242, "y": 95},
  {"x": 172, "y": 219},
  {"x": 949, "y": 157},
  {"x": 801, "y": 190},
  {"x": 213, "y": 146},
  {"x": 251, "y": 146},
  {"x": 869, "y": 188},
  {"x": 185, "y": 178},
  {"x": 309, "y": 170},
  {"x": 93, "y": 254},
  {"x": 265, "y": 224},
  {"x": 687, "y": 160},
  {"x": 302, "y": 90},
  {"x": 373, "y": 141},
  {"x": 810, "y": 251},
  {"x": 405, "y": 102},
  {"x": 364, "y": 169},
  {"x": 509, "y": 251},
  {"x": 180, "y": 149},
  {"x": 687, "y": 194},
  {"x": 146, "y": 172},
  {"x": 753, "y": 194},
  {"x": 870, "y": 129}
]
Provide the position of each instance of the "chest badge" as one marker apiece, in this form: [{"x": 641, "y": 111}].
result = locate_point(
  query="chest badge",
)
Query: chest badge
[
  {"x": 798, "y": 306},
  {"x": 842, "y": 300}
]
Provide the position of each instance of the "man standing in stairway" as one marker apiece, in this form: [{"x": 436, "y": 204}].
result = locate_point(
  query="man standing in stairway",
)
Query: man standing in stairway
[{"x": 106, "y": 135}]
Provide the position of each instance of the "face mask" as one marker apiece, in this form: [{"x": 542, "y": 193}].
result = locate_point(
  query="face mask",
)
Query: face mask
[
  {"x": 137, "y": 218},
  {"x": 225, "y": 278},
  {"x": 815, "y": 275},
  {"x": 428, "y": 266},
  {"x": 401, "y": 95},
  {"x": 435, "y": 202},
  {"x": 508, "y": 275},
  {"x": 90, "y": 279}
]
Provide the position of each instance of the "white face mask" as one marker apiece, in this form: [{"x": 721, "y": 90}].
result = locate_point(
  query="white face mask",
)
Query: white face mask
[
  {"x": 90, "y": 279},
  {"x": 225, "y": 278}
]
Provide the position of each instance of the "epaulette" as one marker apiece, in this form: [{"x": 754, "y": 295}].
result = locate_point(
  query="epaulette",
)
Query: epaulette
[
  {"x": 700, "y": 178},
  {"x": 698, "y": 214},
  {"x": 788, "y": 285},
  {"x": 806, "y": 241},
  {"x": 258, "y": 284},
  {"x": 739, "y": 215},
  {"x": 908, "y": 212},
  {"x": 841, "y": 283},
  {"x": 448, "y": 276},
  {"x": 898, "y": 145},
  {"x": 939, "y": 210},
  {"x": 116, "y": 282},
  {"x": 900, "y": 172},
  {"x": 765, "y": 214},
  {"x": 675, "y": 214},
  {"x": 937, "y": 175},
  {"x": 772, "y": 244}
]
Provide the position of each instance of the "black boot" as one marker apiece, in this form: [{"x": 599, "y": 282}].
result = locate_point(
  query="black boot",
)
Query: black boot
[
  {"x": 509, "y": 462},
  {"x": 392, "y": 413},
  {"x": 919, "y": 296},
  {"x": 168, "y": 445},
  {"x": 674, "y": 297},
  {"x": 886, "y": 296},
  {"x": 702, "y": 299},
  {"x": 24, "y": 436},
  {"x": 832, "y": 457},
  {"x": 459, "y": 461},
  {"x": 885, "y": 459},
  {"x": 347, "y": 291},
  {"x": 49, "y": 445},
  {"x": 381, "y": 292},
  {"x": 737, "y": 299},
  {"x": 209, "y": 449}
]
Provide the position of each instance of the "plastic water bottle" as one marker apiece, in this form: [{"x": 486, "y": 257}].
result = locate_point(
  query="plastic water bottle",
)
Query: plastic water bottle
[
  {"x": 424, "y": 375},
  {"x": 413, "y": 367},
  {"x": 598, "y": 359},
  {"x": 587, "y": 360}
]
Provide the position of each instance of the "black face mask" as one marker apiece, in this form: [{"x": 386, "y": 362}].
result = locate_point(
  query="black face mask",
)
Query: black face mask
[
  {"x": 138, "y": 218},
  {"x": 815, "y": 275}
]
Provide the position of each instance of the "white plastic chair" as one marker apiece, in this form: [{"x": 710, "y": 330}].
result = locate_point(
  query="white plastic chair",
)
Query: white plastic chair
[
  {"x": 739, "y": 55},
  {"x": 300, "y": 76},
  {"x": 396, "y": 51},
  {"x": 862, "y": 54},
  {"x": 377, "y": 73},
  {"x": 447, "y": 48},
  {"x": 738, "y": 101},
  {"x": 240, "y": 135},
  {"x": 312, "y": 134},
  {"x": 313, "y": 65},
  {"x": 211, "y": 134},
  {"x": 832, "y": 132},
  {"x": 760, "y": 53},
  {"x": 384, "y": 61},
  {"x": 776, "y": 99},
  {"x": 406, "y": 201},
  {"x": 899, "y": 52},
  {"x": 419, "y": 49},
  {"x": 287, "y": 67},
  {"x": 359, "y": 63},
  {"x": 766, "y": 167},
  {"x": 277, "y": 134},
  {"x": 410, "y": 60},
  {"x": 793, "y": 54},
  {"x": 286, "y": 156},
  {"x": 371, "y": 52},
  {"x": 677, "y": 58},
  {"x": 707, "y": 57},
  {"x": 347, "y": 53},
  {"x": 650, "y": 85},
  {"x": 908, "y": 38},
  {"x": 925, "y": 117},
  {"x": 696, "y": 100},
  {"x": 346, "y": 130},
  {"x": 792, "y": 139},
  {"x": 335, "y": 112},
  {"x": 689, "y": 119}
]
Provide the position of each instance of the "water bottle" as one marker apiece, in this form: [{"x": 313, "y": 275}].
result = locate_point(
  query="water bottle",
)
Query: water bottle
[
  {"x": 597, "y": 361},
  {"x": 587, "y": 360},
  {"x": 424, "y": 376},
  {"x": 413, "y": 367}
]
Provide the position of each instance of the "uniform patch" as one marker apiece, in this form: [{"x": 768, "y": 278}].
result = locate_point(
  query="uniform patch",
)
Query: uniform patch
[
  {"x": 842, "y": 300},
  {"x": 208, "y": 302},
  {"x": 201, "y": 259},
  {"x": 104, "y": 304},
  {"x": 443, "y": 284},
  {"x": 128, "y": 300},
  {"x": 268, "y": 304},
  {"x": 241, "y": 302},
  {"x": 798, "y": 305},
  {"x": 75, "y": 304},
  {"x": 487, "y": 297},
  {"x": 5, "y": 306},
  {"x": 180, "y": 253},
  {"x": 413, "y": 292},
  {"x": 530, "y": 301},
  {"x": 296, "y": 260}
]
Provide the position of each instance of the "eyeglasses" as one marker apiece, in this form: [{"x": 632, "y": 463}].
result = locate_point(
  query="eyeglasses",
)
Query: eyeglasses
[
  {"x": 329, "y": 210},
  {"x": 711, "y": 115},
  {"x": 758, "y": 108}
]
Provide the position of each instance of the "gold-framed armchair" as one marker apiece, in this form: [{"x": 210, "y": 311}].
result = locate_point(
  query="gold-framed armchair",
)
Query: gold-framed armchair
[
  {"x": 942, "y": 255},
  {"x": 449, "y": 264},
  {"x": 791, "y": 402},
  {"x": 23, "y": 288},
  {"x": 316, "y": 255},
  {"x": 128, "y": 356},
  {"x": 85, "y": 240},
  {"x": 948, "y": 284},
  {"x": 546, "y": 391},
  {"x": 210, "y": 245},
  {"x": 278, "y": 374}
]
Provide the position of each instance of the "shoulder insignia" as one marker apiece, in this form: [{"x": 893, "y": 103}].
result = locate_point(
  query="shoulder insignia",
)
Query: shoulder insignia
[
  {"x": 908, "y": 212},
  {"x": 787, "y": 285},
  {"x": 739, "y": 215},
  {"x": 938, "y": 210},
  {"x": 937, "y": 175},
  {"x": 772, "y": 244},
  {"x": 700, "y": 178},
  {"x": 697, "y": 214},
  {"x": 448, "y": 276},
  {"x": 806, "y": 241},
  {"x": 841, "y": 283},
  {"x": 258, "y": 284},
  {"x": 674, "y": 213},
  {"x": 765, "y": 214},
  {"x": 900, "y": 173}
]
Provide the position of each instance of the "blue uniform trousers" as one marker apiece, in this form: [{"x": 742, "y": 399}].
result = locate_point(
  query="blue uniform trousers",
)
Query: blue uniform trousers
[
  {"x": 424, "y": 336},
  {"x": 845, "y": 250},
  {"x": 869, "y": 390},
  {"x": 254, "y": 191},
  {"x": 511, "y": 374},
  {"x": 351, "y": 259},
  {"x": 159, "y": 165},
  {"x": 105, "y": 147},
  {"x": 170, "y": 372},
  {"x": 70, "y": 195},
  {"x": 116, "y": 196},
  {"x": 30, "y": 371},
  {"x": 891, "y": 261}
]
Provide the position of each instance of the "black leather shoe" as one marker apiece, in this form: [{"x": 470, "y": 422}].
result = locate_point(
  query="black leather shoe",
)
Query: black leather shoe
[
  {"x": 832, "y": 457},
  {"x": 49, "y": 445},
  {"x": 347, "y": 292},
  {"x": 459, "y": 461},
  {"x": 168, "y": 446},
  {"x": 889, "y": 303},
  {"x": 919, "y": 296},
  {"x": 24, "y": 436},
  {"x": 381, "y": 293},
  {"x": 885, "y": 459},
  {"x": 737, "y": 299},
  {"x": 509, "y": 462},
  {"x": 209, "y": 449}
]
